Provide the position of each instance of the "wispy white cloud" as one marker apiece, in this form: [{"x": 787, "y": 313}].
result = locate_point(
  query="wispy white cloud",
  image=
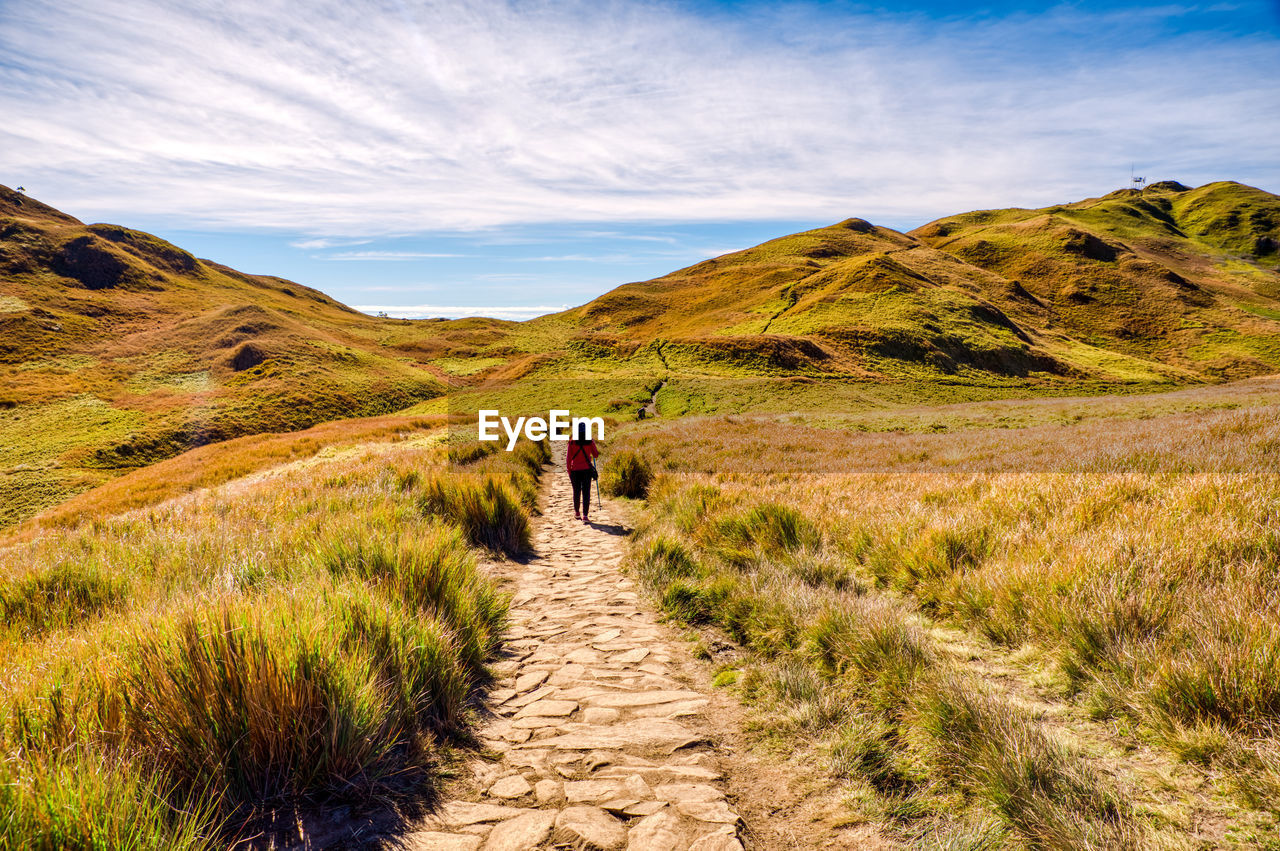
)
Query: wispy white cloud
[
  {"x": 385, "y": 255},
  {"x": 324, "y": 242},
  {"x": 631, "y": 237},
  {"x": 372, "y": 117},
  {"x": 432, "y": 311},
  {"x": 596, "y": 258}
]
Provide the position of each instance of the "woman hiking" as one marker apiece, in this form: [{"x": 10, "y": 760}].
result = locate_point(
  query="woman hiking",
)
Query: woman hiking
[{"x": 582, "y": 449}]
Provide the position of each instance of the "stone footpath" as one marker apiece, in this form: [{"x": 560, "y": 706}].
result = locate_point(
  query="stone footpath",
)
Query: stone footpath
[{"x": 597, "y": 740}]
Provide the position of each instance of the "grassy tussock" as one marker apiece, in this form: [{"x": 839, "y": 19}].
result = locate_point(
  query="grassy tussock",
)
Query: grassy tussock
[
  {"x": 1231, "y": 678},
  {"x": 255, "y": 708},
  {"x": 870, "y": 638},
  {"x": 1043, "y": 791},
  {"x": 427, "y": 670},
  {"x": 492, "y": 502},
  {"x": 430, "y": 570},
  {"x": 297, "y": 698},
  {"x": 626, "y": 473},
  {"x": 57, "y": 596},
  {"x": 313, "y": 637},
  {"x": 488, "y": 510}
]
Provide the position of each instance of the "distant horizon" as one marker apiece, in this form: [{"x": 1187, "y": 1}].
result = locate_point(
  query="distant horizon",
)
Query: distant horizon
[{"x": 507, "y": 157}]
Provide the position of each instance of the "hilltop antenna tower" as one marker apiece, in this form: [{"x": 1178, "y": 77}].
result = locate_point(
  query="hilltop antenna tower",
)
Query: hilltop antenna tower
[{"x": 1136, "y": 182}]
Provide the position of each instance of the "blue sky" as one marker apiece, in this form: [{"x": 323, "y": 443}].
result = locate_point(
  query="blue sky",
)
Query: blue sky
[{"x": 511, "y": 158}]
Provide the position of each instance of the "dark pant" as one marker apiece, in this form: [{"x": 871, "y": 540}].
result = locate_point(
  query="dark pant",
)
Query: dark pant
[{"x": 581, "y": 480}]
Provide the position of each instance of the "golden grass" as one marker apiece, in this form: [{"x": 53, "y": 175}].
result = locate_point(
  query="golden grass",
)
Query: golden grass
[
  {"x": 208, "y": 466},
  {"x": 315, "y": 633},
  {"x": 1136, "y": 559}
]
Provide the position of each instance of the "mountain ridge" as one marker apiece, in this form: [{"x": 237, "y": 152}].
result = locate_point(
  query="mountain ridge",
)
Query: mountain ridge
[
  {"x": 949, "y": 299},
  {"x": 118, "y": 348}
]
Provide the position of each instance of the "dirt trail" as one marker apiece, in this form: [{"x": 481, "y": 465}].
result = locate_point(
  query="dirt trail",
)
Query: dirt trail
[{"x": 601, "y": 741}]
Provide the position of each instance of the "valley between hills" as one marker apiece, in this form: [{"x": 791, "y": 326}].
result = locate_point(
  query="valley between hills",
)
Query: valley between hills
[{"x": 964, "y": 538}]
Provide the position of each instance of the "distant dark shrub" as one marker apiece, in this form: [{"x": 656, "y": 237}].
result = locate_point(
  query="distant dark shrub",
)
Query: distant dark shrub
[
  {"x": 247, "y": 357},
  {"x": 86, "y": 260}
]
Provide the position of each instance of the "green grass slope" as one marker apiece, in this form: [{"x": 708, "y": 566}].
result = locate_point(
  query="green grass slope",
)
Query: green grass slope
[
  {"x": 852, "y": 299},
  {"x": 1178, "y": 276},
  {"x": 1165, "y": 286},
  {"x": 118, "y": 349}
]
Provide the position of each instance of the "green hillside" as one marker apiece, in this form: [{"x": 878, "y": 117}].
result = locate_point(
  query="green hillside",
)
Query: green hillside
[
  {"x": 1166, "y": 285},
  {"x": 1182, "y": 277},
  {"x": 118, "y": 349}
]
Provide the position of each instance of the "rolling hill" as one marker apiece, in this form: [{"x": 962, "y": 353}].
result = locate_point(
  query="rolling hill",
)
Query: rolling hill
[
  {"x": 1167, "y": 284},
  {"x": 118, "y": 349},
  {"x": 1184, "y": 277}
]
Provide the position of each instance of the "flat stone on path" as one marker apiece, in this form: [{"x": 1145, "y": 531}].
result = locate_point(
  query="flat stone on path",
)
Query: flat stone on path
[
  {"x": 430, "y": 840},
  {"x": 514, "y": 786},
  {"x": 525, "y": 682},
  {"x": 547, "y": 791},
  {"x": 522, "y": 833},
  {"x": 630, "y": 657},
  {"x": 526, "y": 699},
  {"x": 640, "y": 732},
  {"x": 548, "y": 707},
  {"x": 589, "y": 827},
  {"x": 640, "y": 698},
  {"x": 678, "y": 709},
  {"x": 658, "y": 832},
  {"x": 636, "y": 786},
  {"x": 645, "y": 808},
  {"x": 568, "y": 674},
  {"x": 599, "y": 715},
  {"x": 462, "y": 813},
  {"x": 618, "y": 806},
  {"x": 590, "y": 791}
]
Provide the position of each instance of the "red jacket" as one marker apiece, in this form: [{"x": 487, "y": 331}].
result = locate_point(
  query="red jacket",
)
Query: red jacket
[{"x": 579, "y": 456}]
